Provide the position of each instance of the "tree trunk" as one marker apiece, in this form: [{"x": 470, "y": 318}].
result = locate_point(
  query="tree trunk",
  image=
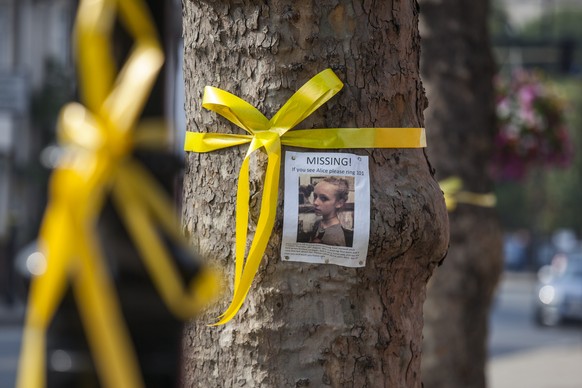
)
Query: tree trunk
[
  {"x": 305, "y": 324},
  {"x": 460, "y": 125}
]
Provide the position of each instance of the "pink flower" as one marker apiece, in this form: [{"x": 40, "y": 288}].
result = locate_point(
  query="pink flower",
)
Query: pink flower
[{"x": 531, "y": 128}]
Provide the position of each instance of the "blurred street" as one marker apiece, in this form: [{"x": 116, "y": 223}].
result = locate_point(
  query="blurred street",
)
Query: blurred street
[{"x": 523, "y": 354}]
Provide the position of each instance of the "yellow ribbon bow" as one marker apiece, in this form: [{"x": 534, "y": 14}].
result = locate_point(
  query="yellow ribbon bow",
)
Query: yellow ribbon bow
[
  {"x": 452, "y": 190},
  {"x": 270, "y": 135},
  {"x": 97, "y": 162}
]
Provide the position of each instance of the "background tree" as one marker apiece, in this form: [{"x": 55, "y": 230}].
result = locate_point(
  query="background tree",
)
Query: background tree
[
  {"x": 313, "y": 324},
  {"x": 460, "y": 121}
]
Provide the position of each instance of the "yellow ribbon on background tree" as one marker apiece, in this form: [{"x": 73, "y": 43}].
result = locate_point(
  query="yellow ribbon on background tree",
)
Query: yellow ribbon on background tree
[
  {"x": 270, "y": 135},
  {"x": 98, "y": 139},
  {"x": 454, "y": 194}
]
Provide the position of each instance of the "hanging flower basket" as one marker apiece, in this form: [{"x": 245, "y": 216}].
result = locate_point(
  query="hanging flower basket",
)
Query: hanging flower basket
[{"x": 531, "y": 126}]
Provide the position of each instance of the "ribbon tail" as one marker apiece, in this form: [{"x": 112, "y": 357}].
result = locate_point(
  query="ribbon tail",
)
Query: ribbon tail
[
  {"x": 46, "y": 292},
  {"x": 265, "y": 226},
  {"x": 156, "y": 208},
  {"x": 139, "y": 225},
  {"x": 242, "y": 216},
  {"x": 101, "y": 315},
  {"x": 242, "y": 219},
  {"x": 31, "y": 367}
]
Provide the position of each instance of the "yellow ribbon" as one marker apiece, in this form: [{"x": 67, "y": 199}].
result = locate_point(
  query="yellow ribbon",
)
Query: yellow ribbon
[
  {"x": 452, "y": 190},
  {"x": 270, "y": 135},
  {"x": 98, "y": 141}
]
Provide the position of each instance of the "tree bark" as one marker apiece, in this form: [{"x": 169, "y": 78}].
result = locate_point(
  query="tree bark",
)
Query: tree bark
[
  {"x": 305, "y": 324},
  {"x": 460, "y": 124}
]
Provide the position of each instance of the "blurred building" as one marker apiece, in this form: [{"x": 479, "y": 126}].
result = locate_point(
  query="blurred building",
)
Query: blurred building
[
  {"x": 522, "y": 11},
  {"x": 553, "y": 45},
  {"x": 35, "y": 43}
]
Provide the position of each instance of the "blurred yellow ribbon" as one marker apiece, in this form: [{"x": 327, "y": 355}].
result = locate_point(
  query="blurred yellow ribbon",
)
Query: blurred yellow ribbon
[
  {"x": 454, "y": 194},
  {"x": 270, "y": 135},
  {"x": 98, "y": 141}
]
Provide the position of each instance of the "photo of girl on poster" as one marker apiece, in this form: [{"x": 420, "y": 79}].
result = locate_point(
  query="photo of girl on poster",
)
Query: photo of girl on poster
[{"x": 326, "y": 210}]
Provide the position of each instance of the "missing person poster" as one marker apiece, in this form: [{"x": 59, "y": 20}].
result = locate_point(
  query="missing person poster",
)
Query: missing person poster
[{"x": 326, "y": 208}]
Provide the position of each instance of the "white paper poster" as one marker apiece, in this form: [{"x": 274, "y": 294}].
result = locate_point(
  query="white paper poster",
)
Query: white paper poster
[{"x": 326, "y": 208}]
